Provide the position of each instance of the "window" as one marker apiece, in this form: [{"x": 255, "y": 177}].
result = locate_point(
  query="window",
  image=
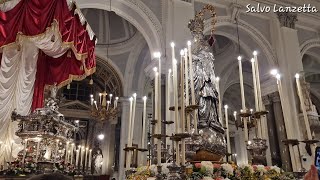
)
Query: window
[{"x": 78, "y": 91}]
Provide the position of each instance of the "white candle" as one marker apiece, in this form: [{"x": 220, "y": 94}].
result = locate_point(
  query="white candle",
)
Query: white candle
[
  {"x": 182, "y": 112},
  {"x": 235, "y": 115},
  {"x": 227, "y": 126},
  {"x": 187, "y": 86},
  {"x": 116, "y": 102},
  {"x": 82, "y": 156},
  {"x": 219, "y": 99},
  {"x": 100, "y": 94},
  {"x": 158, "y": 56},
  {"x": 66, "y": 153},
  {"x": 193, "y": 99},
  {"x": 255, "y": 90},
  {"x": 77, "y": 157},
  {"x": 129, "y": 138},
  {"x": 72, "y": 149},
  {"x": 176, "y": 102},
  {"x": 110, "y": 95},
  {"x": 243, "y": 99},
  {"x": 258, "y": 80},
  {"x": 90, "y": 155},
  {"x": 108, "y": 104},
  {"x": 168, "y": 100},
  {"x": 38, "y": 147},
  {"x": 144, "y": 121},
  {"x": 86, "y": 159},
  {"x": 133, "y": 115},
  {"x": 95, "y": 103},
  {"x": 303, "y": 107},
  {"x": 91, "y": 98},
  {"x": 286, "y": 121},
  {"x": 57, "y": 148},
  {"x": 156, "y": 99}
]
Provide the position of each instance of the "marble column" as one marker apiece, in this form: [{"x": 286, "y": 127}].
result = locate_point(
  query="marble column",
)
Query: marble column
[
  {"x": 281, "y": 132},
  {"x": 240, "y": 149},
  {"x": 124, "y": 135}
]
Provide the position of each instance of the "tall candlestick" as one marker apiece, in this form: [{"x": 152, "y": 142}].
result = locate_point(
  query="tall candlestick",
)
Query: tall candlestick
[
  {"x": 227, "y": 126},
  {"x": 243, "y": 99},
  {"x": 72, "y": 149},
  {"x": 182, "y": 112},
  {"x": 193, "y": 99},
  {"x": 77, "y": 157},
  {"x": 144, "y": 122},
  {"x": 86, "y": 159},
  {"x": 157, "y": 55},
  {"x": 108, "y": 104},
  {"x": 129, "y": 138},
  {"x": 110, "y": 95},
  {"x": 303, "y": 107},
  {"x": 95, "y": 103},
  {"x": 156, "y": 99},
  {"x": 116, "y": 102},
  {"x": 256, "y": 64},
  {"x": 187, "y": 86},
  {"x": 176, "y": 102},
  {"x": 90, "y": 155},
  {"x": 261, "y": 130},
  {"x": 255, "y": 90},
  {"x": 219, "y": 99},
  {"x": 133, "y": 115},
  {"x": 81, "y": 156},
  {"x": 100, "y": 94},
  {"x": 66, "y": 152},
  {"x": 286, "y": 122},
  {"x": 168, "y": 94}
]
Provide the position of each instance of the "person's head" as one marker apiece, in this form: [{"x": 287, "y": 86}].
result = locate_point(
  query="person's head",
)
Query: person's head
[{"x": 52, "y": 176}]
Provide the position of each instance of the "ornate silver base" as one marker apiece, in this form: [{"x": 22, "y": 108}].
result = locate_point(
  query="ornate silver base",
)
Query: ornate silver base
[
  {"x": 160, "y": 175},
  {"x": 257, "y": 150},
  {"x": 129, "y": 172},
  {"x": 174, "y": 172},
  {"x": 183, "y": 174}
]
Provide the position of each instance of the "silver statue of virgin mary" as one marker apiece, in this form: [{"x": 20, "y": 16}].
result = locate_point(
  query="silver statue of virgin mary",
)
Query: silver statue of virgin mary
[{"x": 211, "y": 142}]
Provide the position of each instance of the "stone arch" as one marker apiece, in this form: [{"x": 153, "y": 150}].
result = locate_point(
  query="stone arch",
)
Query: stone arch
[
  {"x": 109, "y": 68},
  {"x": 261, "y": 41},
  {"x": 136, "y": 13},
  {"x": 311, "y": 43}
]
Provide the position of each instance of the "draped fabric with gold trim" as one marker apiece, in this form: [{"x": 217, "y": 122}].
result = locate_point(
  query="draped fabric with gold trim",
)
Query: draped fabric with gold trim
[{"x": 41, "y": 42}]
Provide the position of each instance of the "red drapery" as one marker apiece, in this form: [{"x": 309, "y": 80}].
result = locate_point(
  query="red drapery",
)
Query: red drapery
[{"x": 33, "y": 17}]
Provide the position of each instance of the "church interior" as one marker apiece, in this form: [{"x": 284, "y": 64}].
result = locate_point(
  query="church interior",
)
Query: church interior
[{"x": 160, "y": 89}]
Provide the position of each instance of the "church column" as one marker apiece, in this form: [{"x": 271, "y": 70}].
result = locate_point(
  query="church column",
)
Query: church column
[
  {"x": 286, "y": 43},
  {"x": 125, "y": 108},
  {"x": 240, "y": 148},
  {"x": 273, "y": 149},
  {"x": 280, "y": 130}
]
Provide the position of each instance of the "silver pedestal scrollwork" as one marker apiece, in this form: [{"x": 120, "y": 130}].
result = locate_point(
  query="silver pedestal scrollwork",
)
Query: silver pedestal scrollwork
[
  {"x": 174, "y": 172},
  {"x": 257, "y": 150}
]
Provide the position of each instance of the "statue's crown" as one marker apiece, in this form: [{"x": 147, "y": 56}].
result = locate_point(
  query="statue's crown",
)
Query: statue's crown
[{"x": 196, "y": 25}]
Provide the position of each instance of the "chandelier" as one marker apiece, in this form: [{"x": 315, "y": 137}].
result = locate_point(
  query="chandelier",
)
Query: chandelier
[{"x": 104, "y": 109}]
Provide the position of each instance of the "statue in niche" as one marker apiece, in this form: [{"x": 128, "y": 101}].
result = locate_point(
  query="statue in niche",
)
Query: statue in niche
[{"x": 97, "y": 162}]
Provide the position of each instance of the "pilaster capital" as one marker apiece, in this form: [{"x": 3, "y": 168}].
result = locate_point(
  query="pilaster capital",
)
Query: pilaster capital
[
  {"x": 287, "y": 19},
  {"x": 266, "y": 100},
  {"x": 275, "y": 97}
]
